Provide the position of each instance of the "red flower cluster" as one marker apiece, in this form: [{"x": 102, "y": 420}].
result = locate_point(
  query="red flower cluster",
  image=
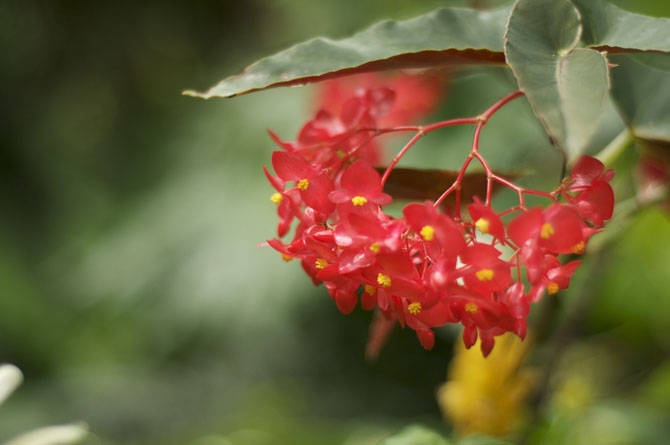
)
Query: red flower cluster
[{"x": 426, "y": 268}]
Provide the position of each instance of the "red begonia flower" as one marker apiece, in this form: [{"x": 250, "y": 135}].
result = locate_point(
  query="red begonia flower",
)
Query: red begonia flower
[
  {"x": 596, "y": 203},
  {"x": 557, "y": 229},
  {"x": 586, "y": 170},
  {"x": 439, "y": 231},
  {"x": 486, "y": 220},
  {"x": 360, "y": 184},
  {"x": 313, "y": 184},
  {"x": 486, "y": 272}
]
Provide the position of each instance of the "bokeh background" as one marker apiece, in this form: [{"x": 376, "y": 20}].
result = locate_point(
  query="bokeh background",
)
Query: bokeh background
[{"x": 133, "y": 296}]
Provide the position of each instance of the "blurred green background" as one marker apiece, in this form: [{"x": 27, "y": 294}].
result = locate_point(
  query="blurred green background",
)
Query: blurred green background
[{"x": 132, "y": 294}]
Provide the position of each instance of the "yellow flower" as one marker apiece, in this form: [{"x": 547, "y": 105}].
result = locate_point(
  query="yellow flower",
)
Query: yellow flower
[{"x": 487, "y": 395}]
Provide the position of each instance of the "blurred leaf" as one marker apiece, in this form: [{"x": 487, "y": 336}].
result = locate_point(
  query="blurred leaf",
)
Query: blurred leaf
[
  {"x": 656, "y": 389},
  {"x": 565, "y": 86},
  {"x": 428, "y": 184},
  {"x": 444, "y": 36},
  {"x": 419, "y": 184},
  {"x": 608, "y": 422},
  {"x": 415, "y": 435},
  {"x": 52, "y": 435},
  {"x": 10, "y": 378},
  {"x": 477, "y": 439},
  {"x": 641, "y": 90},
  {"x": 608, "y": 28},
  {"x": 634, "y": 292}
]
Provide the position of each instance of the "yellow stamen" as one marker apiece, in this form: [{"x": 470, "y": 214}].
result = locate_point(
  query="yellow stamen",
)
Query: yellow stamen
[
  {"x": 483, "y": 225},
  {"x": 286, "y": 258},
  {"x": 384, "y": 280},
  {"x": 276, "y": 198},
  {"x": 471, "y": 307},
  {"x": 547, "y": 230},
  {"x": 371, "y": 290},
  {"x": 359, "y": 200},
  {"x": 579, "y": 247},
  {"x": 427, "y": 233},
  {"x": 320, "y": 263},
  {"x": 484, "y": 274},
  {"x": 414, "y": 308},
  {"x": 552, "y": 288},
  {"x": 375, "y": 247},
  {"x": 303, "y": 184}
]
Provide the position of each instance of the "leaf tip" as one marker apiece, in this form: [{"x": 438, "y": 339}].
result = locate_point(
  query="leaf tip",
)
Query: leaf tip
[{"x": 197, "y": 94}]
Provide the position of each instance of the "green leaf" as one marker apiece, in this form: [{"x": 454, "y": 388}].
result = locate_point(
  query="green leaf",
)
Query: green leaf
[
  {"x": 442, "y": 37},
  {"x": 583, "y": 86},
  {"x": 641, "y": 90},
  {"x": 415, "y": 435},
  {"x": 565, "y": 85},
  {"x": 608, "y": 28}
]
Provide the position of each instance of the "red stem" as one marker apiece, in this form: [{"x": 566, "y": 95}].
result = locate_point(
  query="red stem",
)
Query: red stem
[
  {"x": 480, "y": 120},
  {"x": 421, "y": 132}
]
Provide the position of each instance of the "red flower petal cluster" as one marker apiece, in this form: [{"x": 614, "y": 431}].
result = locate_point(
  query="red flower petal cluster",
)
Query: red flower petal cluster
[
  {"x": 416, "y": 96},
  {"x": 425, "y": 268}
]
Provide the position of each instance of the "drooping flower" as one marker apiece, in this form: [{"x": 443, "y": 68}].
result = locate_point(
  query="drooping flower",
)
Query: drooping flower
[
  {"x": 586, "y": 171},
  {"x": 596, "y": 203},
  {"x": 555, "y": 276},
  {"x": 595, "y": 197}
]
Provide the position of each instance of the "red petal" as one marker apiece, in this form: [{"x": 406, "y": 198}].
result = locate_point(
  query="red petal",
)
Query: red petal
[
  {"x": 340, "y": 196},
  {"x": 291, "y": 167},
  {"x": 361, "y": 178},
  {"x": 363, "y": 224},
  {"x": 521, "y": 327},
  {"x": 316, "y": 195},
  {"x": 380, "y": 101},
  {"x": 487, "y": 343},
  {"x": 437, "y": 315},
  {"x": 481, "y": 255},
  {"x": 345, "y": 301},
  {"x": 351, "y": 260},
  {"x": 449, "y": 234},
  {"x": 478, "y": 210},
  {"x": 275, "y": 181},
  {"x": 328, "y": 273},
  {"x": 586, "y": 170},
  {"x": 469, "y": 336},
  {"x": 596, "y": 204},
  {"x": 419, "y": 215},
  {"x": 426, "y": 338},
  {"x": 288, "y": 146},
  {"x": 517, "y": 302},
  {"x": 567, "y": 229},
  {"x": 526, "y": 225}
]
